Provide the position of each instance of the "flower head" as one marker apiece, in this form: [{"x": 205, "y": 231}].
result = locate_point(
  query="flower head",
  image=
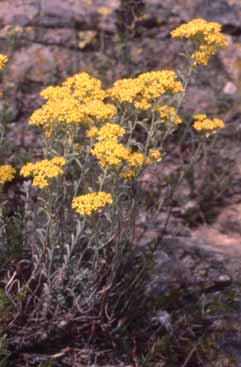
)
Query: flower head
[
  {"x": 110, "y": 153},
  {"x": 107, "y": 131},
  {"x": 83, "y": 87},
  {"x": 168, "y": 113},
  {"x": 3, "y": 61},
  {"x": 98, "y": 110},
  {"x": 153, "y": 156},
  {"x": 203, "y": 123},
  {"x": 146, "y": 88},
  {"x": 7, "y": 173},
  {"x": 207, "y": 38},
  {"x": 104, "y": 10},
  {"x": 78, "y": 101},
  {"x": 64, "y": 110},
  {"x": 91, "y": 203},
  {"x": 125, "y": 90},
  {"x": 135, "y": 160},
  {"x": 42, "y": 171}
]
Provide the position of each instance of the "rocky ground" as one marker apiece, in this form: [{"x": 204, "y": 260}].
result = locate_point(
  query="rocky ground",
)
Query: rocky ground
[{"x": 198, "y": 264}]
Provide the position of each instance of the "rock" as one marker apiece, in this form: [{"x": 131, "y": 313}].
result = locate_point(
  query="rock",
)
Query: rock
[
  {"x": 229, "y": 220},
  {"x": 199, "y": 99},
  {"x": 226, "y": 12},
  {"x": 163, "y": 318},
  {"x": 35, "y": 63},
  {"x": 16, "y": 13},
  {"x": 223, "y": 280},
  {"x": 230, "y": 88},
  {"x": 226, "y": 243},
  {"x": 59, "y": 13},
  {"x": 87, "y": 13},
  {"x": 231, "y": 59},
  {"x": 62, "y": 37}
]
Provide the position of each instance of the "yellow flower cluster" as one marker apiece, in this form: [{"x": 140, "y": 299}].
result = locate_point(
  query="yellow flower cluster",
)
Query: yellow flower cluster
[
  {"x": 203, "y": 123},
  {"x": 43, "y": 170},
  {"x": 153, "y": 156},
  {"x": 84, "y": 87},
  {"x": 207, "y": 38},
  {"x": 104, "y": 10},
  {"x": 137, "y": 160},
  {"x": 90, "y": 203},
  {"x": 3, "y": 61},
  {"x": 7, "y": 173},
  {"x": 156, "y": 83},
  {"x": 146, "y": 88},
  {"x": 125, "y": 90},
  {"x": 107, "y": 149},
  {"x": 107, "y": 131},
  {"x": 79, "y": 100},
  {"x": 110, "y": 153},
  {"x": 98, "y": 110},
  {"x": 168, "y": 113},
  {"x": 134, "y": 162},
  {"x": 63, "y": 109}
]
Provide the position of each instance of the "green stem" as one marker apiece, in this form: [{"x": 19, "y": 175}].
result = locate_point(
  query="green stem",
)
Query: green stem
[
  {"x": 103, "y": 178},
  {"x": 150, "y": 132}
]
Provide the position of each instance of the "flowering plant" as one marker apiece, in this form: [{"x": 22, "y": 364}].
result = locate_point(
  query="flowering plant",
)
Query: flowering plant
[{"x": 96, "y": 145}]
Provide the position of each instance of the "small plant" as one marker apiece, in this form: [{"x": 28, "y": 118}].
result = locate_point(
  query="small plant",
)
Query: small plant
[{"x": 86, "y": 277}]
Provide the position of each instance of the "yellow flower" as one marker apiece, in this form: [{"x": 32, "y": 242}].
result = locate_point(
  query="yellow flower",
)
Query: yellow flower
[
  {"x": 3, "y": 61},
  {"x": 98, "y": 109},
  {"x": 92, "y": 132},
  {"x": 125, "y": 90},
  {"x": 54, "y": 93},
  {"x": 104, "y": 10},
  {"x": 203, "y": 123},
  {"x": 156, "y": 83},
  {"x": 168, "y": 113},
  {"x": 128, "y": 174},
  {"x": 207, "y": 38},
  {"x": 143, "y": 104},
  {"x": 78, "y": 101},
  {"x": 83, "y": 87},
  {"x": 107, "y": 131},
  {"x": 7, "y": 173},
  {"x": 136, "y": 159},
  {"x": 59, "y": 161},
  {"x": 153, "y": 157},
  {"x": 90, "y": 203},
  {"x": 110, "y": 153},
  {"x": 56, "y": 112},
  {"x": 42, "y": 171},
  {"x": 195, "y": 27},
  {"x": 146, "y": 88}
]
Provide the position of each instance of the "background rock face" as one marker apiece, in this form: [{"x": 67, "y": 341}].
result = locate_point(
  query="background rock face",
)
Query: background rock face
[{"x": 48, "y": 40}]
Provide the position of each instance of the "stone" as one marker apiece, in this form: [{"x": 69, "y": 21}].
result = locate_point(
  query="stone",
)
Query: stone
[
  {"x": 17, "y": 13},
  {"x": 231, "y": 59},
  {"x": 230, "y": 88},
  {"x": 223, "y": 280},
  {"x": 226, "y": 12},
  {"x": 36, "y": 63}
]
